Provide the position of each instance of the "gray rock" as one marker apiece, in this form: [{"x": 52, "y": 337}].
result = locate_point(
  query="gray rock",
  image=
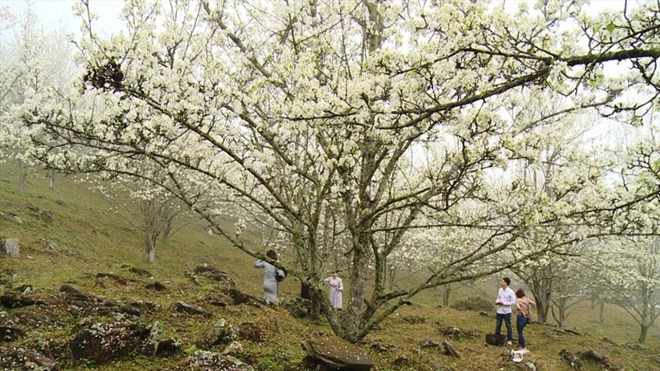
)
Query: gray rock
[
  {"x": 103, "y": 343},
  {"x": 13, "y": 358},
  {"x": 11, "y": 247},
  {"x": 233, "y": 348},
  {"x": 35, "y": 317},
  {"x": 211, "y": 272},
  {"x": 203, "y": 360},
  {"x": 338, "y": 353},
  {"x": 180, "y": 306},
  {"x": 222, "y": 332}
]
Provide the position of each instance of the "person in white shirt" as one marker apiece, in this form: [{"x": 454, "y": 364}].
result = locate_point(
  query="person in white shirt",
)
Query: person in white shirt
[
  {"x": 336, "y": 290},
  {"x": 505, "y": 299},
  {"x": 270, "y": 277}
]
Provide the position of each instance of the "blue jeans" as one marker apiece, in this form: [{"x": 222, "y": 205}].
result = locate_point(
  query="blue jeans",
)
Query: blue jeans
[
  {"x": 507, "y": 321},
  {"x": 521, "y": 322}
]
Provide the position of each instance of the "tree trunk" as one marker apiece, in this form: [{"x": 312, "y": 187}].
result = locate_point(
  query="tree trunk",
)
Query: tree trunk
[
  {"x": 601, "y": 312},
  {"x": 643, "y": 333},
  {"x": 358, "y": 292},
  {"x": 51, "y": 178},
  {"x": 167, "y": 230},
  {"x": 445, "y": 296},
  {"x": 542, "y": 291},
  {"x": 151, "y": 247},
  {"x": 561, "y": 314},
  {"x": 647, "y": 313},
  {"x": 316, "y": 305},
  {"x": 22, "y": 176}
]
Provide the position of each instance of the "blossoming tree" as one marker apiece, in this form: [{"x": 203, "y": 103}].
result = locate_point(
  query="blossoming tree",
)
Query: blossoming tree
[
  {"x": 33, "y": 63},
  {"x": 366, "y": 120},
  {"x": 632, "y": 273}
]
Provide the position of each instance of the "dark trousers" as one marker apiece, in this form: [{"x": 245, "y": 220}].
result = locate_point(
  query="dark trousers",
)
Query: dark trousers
[
  {"x": 507, "y": 321},
  {"x": 521, "y": 322}
]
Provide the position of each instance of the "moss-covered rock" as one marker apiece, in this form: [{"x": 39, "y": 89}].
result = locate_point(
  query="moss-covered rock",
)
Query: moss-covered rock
[{"x": 337, "y": 353}]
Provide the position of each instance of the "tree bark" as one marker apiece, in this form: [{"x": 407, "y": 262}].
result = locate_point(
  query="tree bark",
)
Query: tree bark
[
  {"x": 167, "y": 230},
  {"x": 358, "y": 292},
  {"x": 22, "y": 176},
  {"x": 316, "y": 305},
  {"x": 561, "y": 314},
  {"x": 445, "y": 299},
  {"x": 151, "y": 247},
  {"x": 51, "y": 178},
  {"x": 643, "y": 334}
]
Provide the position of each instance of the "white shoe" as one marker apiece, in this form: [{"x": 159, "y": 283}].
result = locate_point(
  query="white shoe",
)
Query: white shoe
[
  {"x": 509, "y": 342},
  {"x": 523, "y": 351}
]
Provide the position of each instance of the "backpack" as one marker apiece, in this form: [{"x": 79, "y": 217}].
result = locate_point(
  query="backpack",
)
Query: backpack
[
  {"x": 494, "y": 339},
  {"x": 280, "y": 275}
]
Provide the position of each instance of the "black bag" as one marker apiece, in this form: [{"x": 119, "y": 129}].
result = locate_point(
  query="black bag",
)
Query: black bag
[
  {"x": 494, "y": 339},
  {"x": 280, "y": 275}
]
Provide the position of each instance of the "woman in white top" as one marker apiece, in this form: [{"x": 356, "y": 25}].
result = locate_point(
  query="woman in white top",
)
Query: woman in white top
[{"x": 336, "y": 290}]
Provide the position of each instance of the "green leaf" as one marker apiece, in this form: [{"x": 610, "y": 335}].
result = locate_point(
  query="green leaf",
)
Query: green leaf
[{"x": 610, "y": 27}]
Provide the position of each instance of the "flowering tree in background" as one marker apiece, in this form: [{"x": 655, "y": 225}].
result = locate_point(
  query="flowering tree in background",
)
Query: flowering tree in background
[
  {"x": 568, "y": 152},
  {"x": 632, "y": 273},
  {"x": 629, "y": 266},
  {"x": 151, "y": 210},
  {"x": 360, "y": 121},
  {"x": 34, "y": 63}
]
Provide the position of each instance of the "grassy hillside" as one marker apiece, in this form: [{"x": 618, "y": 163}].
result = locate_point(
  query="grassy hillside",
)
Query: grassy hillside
[{"x": 91, "y": 240}]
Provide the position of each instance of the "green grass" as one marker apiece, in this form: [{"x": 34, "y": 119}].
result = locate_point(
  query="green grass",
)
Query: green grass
[{"x": 93, "y": 240}]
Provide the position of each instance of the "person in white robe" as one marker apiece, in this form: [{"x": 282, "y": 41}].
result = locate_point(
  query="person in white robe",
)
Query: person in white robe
[{"x": 336, "y": 290}]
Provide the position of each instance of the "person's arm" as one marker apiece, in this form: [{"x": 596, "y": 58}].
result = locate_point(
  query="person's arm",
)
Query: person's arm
[
  {"x": 326, "y": 280},
  {"x": 498, "y": 300},
  {"x": 259, "y": 264},
  {"x": 340, "y": 285},
  {"x": 509, "y": 298}
]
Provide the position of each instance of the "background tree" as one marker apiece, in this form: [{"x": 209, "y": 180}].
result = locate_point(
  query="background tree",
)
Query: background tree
[
  {"x": 632, "y": 270},
  {"x": 631, "y": 264},
  {"x": 540, "y": 174},
  {"x": 34, "y": 63},
  {"x": 143, "y": 207},
  {"x": 155, "y": 216},
  {"x": 569, "y": 289},
  {"x": 377, "y": 118}
]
